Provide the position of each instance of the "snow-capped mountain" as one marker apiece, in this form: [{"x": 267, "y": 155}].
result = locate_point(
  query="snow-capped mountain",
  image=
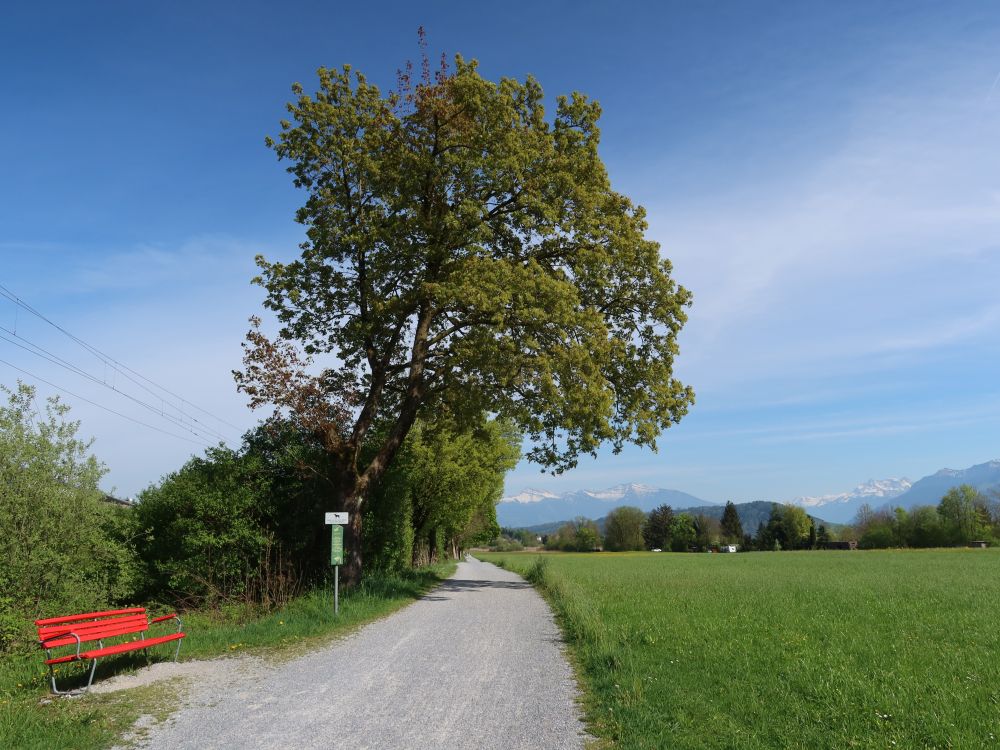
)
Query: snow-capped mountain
[
  {"x": 841, "y": 507},
  {"x": 530, "y": 495},
  {"x": 872, "y": 490},
  {"x": 532, "y": 507},
  {"x": 930, "y": 490}
]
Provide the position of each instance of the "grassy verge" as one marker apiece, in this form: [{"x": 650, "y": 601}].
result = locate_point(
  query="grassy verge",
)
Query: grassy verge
[
  {"x": 886, "y": 649},
  {"x": 29, "y": 719}
]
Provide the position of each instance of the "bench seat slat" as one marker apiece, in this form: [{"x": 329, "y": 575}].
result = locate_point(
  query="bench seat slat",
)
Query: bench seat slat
[
  {"x": 90, "y": 616},
  {"x": 120, "y": 648}
]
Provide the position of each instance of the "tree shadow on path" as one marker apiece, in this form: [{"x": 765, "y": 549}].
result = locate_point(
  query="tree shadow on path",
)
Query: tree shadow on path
[{"x": 452, "y": 586}]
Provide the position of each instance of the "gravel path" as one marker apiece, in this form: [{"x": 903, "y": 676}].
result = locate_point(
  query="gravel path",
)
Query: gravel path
[{"x": 477, "y": 663}]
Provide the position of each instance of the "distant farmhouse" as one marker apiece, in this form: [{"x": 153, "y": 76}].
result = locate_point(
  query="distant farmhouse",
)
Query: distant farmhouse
[{"x": 852, "y": 544}]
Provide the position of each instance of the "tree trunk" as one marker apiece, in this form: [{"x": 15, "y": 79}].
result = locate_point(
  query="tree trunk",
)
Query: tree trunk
[{"x": 350, "y": 574}]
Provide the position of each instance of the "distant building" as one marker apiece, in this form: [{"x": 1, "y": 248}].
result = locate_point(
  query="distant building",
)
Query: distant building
[
  {"x": 979, "y": 544},
  {"x": 852, "y": 544},
  {"x": 728, "y": 548}
]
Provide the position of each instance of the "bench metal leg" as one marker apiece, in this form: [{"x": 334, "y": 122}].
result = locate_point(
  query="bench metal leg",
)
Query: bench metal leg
[{"x": 76, "y": 691}]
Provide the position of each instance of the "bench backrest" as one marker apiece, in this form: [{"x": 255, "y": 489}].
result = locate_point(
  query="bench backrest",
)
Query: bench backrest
[{"x": 91, "y": 626}]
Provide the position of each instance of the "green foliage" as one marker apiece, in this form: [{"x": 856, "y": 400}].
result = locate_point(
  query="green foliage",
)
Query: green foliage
[
  {"x": 449, "y": 480},
  {"x": 877, "y": 536},
  {"x": 822, "y": 536},
  {"x": 800, "y": 650},
  {"x": 706, "y": 531},
  {"x": 795, "y": 524},
  {"x": 388, "y": 525},
  {"x": 506, "y": 544},
  {"x": 63, "y": 549},
  {"x": 241, "y": 526},
  {"x": 579, "y": 535},
  {"x": 789, "y": 527},
  {"x": 458, "y": 214},
  {"x": 656, "y": 529},
  {"x": 964, "y": 515},
  {"x": 731, "y": 527},
  {"x": 623, "y": 529},
  {"x": 683, "y": 533}
]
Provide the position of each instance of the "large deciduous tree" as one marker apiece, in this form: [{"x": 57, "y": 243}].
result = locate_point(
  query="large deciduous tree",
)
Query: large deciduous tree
[{"x": 465, "y": 254}]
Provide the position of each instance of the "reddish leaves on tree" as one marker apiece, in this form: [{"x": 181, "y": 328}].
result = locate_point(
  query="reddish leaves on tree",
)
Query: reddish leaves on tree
[{"x": 277, "y": 375}]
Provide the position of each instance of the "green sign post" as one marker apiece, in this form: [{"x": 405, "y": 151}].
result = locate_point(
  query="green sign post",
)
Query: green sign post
[{"x": 336, "y": 522}]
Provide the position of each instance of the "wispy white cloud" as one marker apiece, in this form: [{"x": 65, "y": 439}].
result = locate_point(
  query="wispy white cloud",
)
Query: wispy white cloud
[{"x": 857, "y": 253}]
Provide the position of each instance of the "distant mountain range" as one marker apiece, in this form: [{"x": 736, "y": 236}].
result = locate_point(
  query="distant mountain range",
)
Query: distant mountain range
[
  {"x": 929, "y": 490},
  {"x": 841, "y": 508},
  {"x": 532, "y": 508}
]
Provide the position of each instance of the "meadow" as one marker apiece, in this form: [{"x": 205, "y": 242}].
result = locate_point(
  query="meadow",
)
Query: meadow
[{"x": 879, "y": 649}]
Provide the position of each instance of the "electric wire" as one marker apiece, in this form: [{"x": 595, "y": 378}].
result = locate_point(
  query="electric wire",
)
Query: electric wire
[
  {"x": 55, "y": 359},
  {"x": 101, "y": 406},
  {"x": 115, "y": 364}
]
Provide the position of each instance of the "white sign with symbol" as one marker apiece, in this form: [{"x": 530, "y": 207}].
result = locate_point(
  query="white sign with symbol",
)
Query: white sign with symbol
[{"x": 337, "y": 518}]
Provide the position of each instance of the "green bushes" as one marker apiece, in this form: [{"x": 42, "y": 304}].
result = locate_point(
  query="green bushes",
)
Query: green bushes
[
  {"x": 579, "y": 535},
  {"x": 64, "y": 549},
  {"x": 963, "y": 515},
  {"x": 236, "y": 526}
]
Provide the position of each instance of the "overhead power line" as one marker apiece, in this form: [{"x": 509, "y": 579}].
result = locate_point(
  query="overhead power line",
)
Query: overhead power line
[
  {"x": 117, "y": 366},
  {"x": 101, "y": 406},
  {"x": 55, "y": 359}
]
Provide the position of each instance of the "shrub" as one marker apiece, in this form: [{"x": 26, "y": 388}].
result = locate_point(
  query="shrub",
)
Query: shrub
[
  {"x": 234, "y": 526},
  {"x": 63, "y": 550}
]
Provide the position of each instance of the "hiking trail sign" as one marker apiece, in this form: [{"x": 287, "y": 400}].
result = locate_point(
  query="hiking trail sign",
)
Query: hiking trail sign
[{"x": 336, "y": 522}]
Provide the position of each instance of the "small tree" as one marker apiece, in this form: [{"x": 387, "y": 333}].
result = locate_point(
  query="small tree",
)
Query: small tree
[
  {"x": 656, "y": 529},
  {"x": 682, "y": 532},
  {"x": 764, "y": 538},
  {"x": 732, "y": 527},
  {"x": 588, "y": 538},
  {"x": 796, "y": 524},
  {"x": 822, "y": 536},
  {"x": 623, "y": 529},
  {"x": 961, "y": 510},
  {"x": 62, "y": 549}
]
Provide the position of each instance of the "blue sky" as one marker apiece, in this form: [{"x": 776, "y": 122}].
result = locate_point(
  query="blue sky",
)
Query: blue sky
[{"x": 824, "y": 176}]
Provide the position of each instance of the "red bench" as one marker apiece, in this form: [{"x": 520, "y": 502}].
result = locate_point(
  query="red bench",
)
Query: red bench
[{"x": 60, "y": 633}]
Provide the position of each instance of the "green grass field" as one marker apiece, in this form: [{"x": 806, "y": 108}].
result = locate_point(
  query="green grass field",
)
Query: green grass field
[
  {"x": 881, "y": 649},
  {"x": 30, "y": 720}
]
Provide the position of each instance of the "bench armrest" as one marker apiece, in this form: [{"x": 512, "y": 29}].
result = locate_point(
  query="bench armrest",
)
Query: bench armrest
[
  {"x": 172, "y": 616},
  {"x": 56, "y": 636}
]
